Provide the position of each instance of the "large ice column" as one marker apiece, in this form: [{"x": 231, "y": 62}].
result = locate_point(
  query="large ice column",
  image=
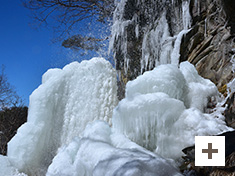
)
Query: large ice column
[
  {"x": 164, "y": 110},
  {"x": 60, "y": 109},
  {"x": 101, "y": 151}
]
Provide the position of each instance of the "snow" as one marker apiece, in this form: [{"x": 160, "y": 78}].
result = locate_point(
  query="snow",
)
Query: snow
[
  {"x": 164, "y": 110},
  {"x": 95, "y": 154},
  {"x": 60, "y": 109}
]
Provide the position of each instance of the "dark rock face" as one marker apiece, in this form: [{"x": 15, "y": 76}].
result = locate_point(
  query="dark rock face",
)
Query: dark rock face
[
  {"x": 229, "y": 7},
  {"x": 210, "y": 44}
]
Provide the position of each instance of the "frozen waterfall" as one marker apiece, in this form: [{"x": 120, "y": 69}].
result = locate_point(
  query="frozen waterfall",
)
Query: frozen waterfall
[
  {"x": 60, "y": 109},
  {"x": 74, "y": 127},
  {"x": 164, "y": 110},
  {"x": 77, "y": 127},
  {"x": 162, "y": 27}
]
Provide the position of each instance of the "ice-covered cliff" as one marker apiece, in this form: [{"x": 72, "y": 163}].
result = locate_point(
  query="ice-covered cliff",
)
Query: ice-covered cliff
[{"x": 149, "y": 33}]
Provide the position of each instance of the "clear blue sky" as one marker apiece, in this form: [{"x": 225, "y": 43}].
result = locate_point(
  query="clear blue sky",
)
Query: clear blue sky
[{"x": 26, "y": 52}]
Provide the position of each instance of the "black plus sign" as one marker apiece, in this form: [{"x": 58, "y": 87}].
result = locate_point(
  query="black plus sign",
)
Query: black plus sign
[{"x": 209, "y": 150}]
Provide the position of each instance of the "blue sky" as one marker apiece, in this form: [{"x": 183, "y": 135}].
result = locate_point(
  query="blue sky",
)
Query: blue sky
[{"x": 25, "y": 51}]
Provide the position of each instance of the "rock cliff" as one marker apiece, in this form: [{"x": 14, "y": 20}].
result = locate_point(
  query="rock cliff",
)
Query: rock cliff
[
  {"x": 210, "y": 45},
  {"x": 147, "y": 33}
]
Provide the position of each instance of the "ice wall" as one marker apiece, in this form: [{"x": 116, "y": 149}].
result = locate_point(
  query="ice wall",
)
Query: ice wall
[
  {"x": 165, "y": 108},
  {"x": 60, "y": 109}
]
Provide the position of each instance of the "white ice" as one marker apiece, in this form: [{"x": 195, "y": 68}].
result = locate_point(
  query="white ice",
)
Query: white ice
[
  {"x": 6, "y": 168},
  {"x": 98, "y": 153},
  {"x": 164, "y": 110},
  {"x": 68, "y": 129},
  {"x": 60, "y": 109}
]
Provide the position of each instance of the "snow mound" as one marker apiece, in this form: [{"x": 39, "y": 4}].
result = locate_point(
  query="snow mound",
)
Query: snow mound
[
  {"x": 164, "y": 110},
  {"x": 97, "y": 154},
  {"x": 60, "y": 109}
]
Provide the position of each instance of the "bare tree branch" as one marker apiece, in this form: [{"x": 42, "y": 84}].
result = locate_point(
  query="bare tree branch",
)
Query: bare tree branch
[
  {"x": 8, "y": 96},
  {"x": 70, "y": 12}
]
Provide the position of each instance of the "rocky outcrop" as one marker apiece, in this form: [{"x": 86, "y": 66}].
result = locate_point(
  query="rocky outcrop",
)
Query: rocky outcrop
[
  {"x": 229, "y": 112},
  {"x": 210, "y": 45}
]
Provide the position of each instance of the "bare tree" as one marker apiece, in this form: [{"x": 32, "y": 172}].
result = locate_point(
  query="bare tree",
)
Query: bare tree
[
  {"x": 8, "y": 96},
  {"x": 12, "y": 112},
  {"x": 68, "y": 13},
  {"x": 67, "y": 16}
]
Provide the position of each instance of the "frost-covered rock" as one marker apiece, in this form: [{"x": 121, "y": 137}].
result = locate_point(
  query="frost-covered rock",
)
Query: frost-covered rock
[
  {"x": 98, "y": 153},
  {"x": 164, "y": 110},
  {"x": 60, "y": 109}
]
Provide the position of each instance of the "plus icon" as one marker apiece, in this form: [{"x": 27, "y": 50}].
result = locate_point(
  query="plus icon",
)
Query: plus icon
[{"x": 209, "y": 151}]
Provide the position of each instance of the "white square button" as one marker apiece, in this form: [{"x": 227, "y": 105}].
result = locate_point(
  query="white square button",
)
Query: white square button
[{"x": 209, "y": 150}]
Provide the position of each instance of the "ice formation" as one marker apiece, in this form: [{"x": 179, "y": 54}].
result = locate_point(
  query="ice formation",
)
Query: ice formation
[
  {"x": 6, "y": 169},
  {"x": 60, "y": 109},
  {"x": 164, "y": 110},
  {"x": 68, "y": 129},
  {"x": 161, "y": 37},
  {"x": 102, "y": 152}
]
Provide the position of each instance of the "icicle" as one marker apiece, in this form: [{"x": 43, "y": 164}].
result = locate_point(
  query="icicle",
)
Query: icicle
[
  {"x": 175, "y": 55},
  {"x": 186, "y": 15}
]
